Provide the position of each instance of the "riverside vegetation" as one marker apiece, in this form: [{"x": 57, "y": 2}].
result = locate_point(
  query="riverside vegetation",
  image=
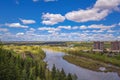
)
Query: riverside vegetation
[
  {"x": 26, "y": 63},
  {"x": 83, "y": 56}
]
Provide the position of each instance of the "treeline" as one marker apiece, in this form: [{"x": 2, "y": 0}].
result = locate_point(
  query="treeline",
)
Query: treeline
[
  {"x": 14, "y": 67},
  {"x": 36, "y": 43}
]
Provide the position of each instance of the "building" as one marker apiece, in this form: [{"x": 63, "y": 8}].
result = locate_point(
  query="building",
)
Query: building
[
  {"x": 115, "y": 46},
  {"x": 98, "y": 46}
]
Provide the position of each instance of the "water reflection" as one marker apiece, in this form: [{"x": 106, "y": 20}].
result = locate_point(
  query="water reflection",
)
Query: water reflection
[{"x": 82, "y": 73}]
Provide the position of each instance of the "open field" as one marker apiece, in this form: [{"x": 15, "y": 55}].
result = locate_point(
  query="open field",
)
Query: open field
[{"x": 26, "y": 51}]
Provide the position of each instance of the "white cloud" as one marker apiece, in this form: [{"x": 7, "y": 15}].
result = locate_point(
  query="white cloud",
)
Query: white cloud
[
  {"x": 83, "y": 27},
  {"x": 51, "y": 31},
  {"x": 101, "y": 26},
  {"x": 75, "y": 27},
  {"x": 15, "y": 25},
  {"x": 64, "y": 27},
  {"x": 32, "y": 29},
  {"x": 107, "y": 4},
  {"x": 86, "y": 31},
  {"x": 98, "y": 31},
  {"x": 48, "y": 29},
  {"x": 49, "y": 0},
  {"x": 24, "y": 21},
  {"x": 54, "y": 36},
  {"x": 103, "y": 37},
  {"x": 110, "y": 31},
  {"x": 119, "y": 23},
  {"x": 86, "y": 15},
  {"x": 35, "y": 0},
  {"x": 51, "y": 19},
  {"x": 100, "y": 10},
  {"x": 20, "y": 34},
  {"x": 3, "y": 29},
  {"x": 118, "y": 37}
]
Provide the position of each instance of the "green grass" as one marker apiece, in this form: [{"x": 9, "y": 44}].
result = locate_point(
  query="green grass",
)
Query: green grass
[
  {"x": 28, "y": 51},
  {"x": 82, "y": 62},
  {"x": 77, "y": 51},
  {"x": 97, "y": 56},
  {"x": 89, "y": 63}
]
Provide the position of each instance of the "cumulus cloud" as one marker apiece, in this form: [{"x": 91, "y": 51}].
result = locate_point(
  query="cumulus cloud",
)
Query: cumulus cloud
[
  {"x": 103, "y": 37},
  {"x": 99, "y": 11},
  {"x": 51, "y": 19},
  {"x": 49, "y": 29},
  {"x": 86, "y": 31},
  {"x": 83, "y": 27},
  {"x": 101, "y": 26},
  {"x": 64, "y": 27},
  {"x": 20, "y": 34},
  {"x": 15, "y": 25},
  {"x": 75, "y": 27},
  {"x": 107, "y": 4},
  {"x": 3, "y": 29},
  {"x": 68, "y": 36},
  {"x": 24, "y": 21},
  {"x": 98, "y": 31},
  {"x": 110, "y": 31},
  {"x": 86, "y": 15}
]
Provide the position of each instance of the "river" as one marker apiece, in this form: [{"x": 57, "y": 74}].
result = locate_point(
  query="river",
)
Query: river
[{"x": 56, "y": 58}]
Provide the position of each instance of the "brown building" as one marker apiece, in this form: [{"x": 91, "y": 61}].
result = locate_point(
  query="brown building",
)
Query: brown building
[
  {"x": 115, "y": 46},
  {"x": 98, "y": 46}
]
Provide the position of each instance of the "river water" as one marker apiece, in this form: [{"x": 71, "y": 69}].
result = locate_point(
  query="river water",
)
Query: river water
[{"x": 82, "y": 73}]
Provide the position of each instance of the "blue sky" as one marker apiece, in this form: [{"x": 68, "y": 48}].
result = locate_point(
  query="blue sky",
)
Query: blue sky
[{"x": 59, "y": 20}]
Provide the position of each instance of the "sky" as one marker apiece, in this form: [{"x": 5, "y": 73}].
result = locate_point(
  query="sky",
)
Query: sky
[{"x": 59, "y": 20}]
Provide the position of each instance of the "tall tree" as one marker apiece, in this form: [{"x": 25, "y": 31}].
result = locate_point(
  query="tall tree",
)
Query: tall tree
[{"x": 53, "y": 71}]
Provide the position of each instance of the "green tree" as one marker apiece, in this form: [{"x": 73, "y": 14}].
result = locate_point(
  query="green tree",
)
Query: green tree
[
  {"x": 69, "y": 77},
  {"x": 1, "y": 44},
  {"x": 24, "y": 75},
  {"x": 63, "y": 73},
  {"x": 53, "y": 71},
  {"x": 38, "y": 78}
]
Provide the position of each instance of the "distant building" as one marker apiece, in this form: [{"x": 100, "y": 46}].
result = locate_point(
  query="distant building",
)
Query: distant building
[
  {"x": 98, "y": 46},
  {"x": 115, "y": 46}
]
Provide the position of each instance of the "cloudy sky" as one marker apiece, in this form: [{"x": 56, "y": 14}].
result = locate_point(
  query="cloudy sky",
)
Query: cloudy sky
[{"x": 59, "y": 20}]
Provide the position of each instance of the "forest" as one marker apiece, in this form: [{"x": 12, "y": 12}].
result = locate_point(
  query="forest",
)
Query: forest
[{"x": 21, "y": 64}]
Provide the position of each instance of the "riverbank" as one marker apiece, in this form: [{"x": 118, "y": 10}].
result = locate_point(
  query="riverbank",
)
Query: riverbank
[
  {"x": 89, "y": 60},
  {"x": 91, "y": 64},
  {"x": 102, "y": 57},
  {"x": 56, "y": 57}
]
